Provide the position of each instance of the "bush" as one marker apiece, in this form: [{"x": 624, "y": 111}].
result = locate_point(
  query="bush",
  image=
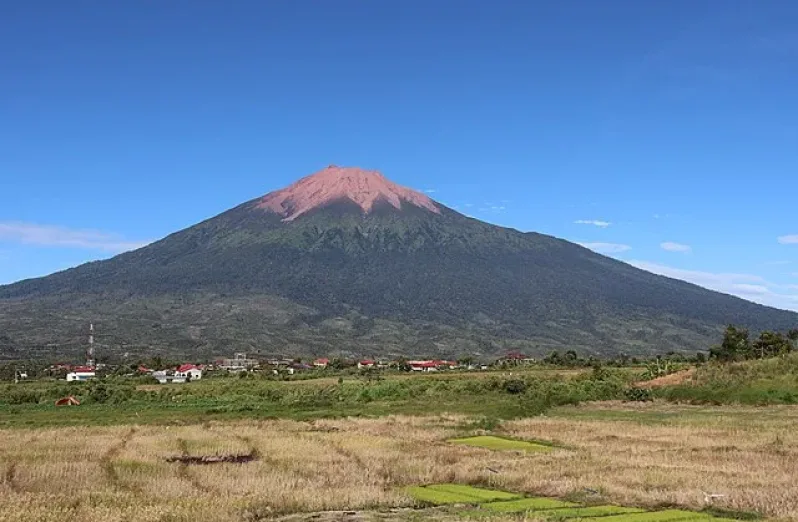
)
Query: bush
[
  {"x": 515, "y": 386},
  {"x": 637, "y": 394}
]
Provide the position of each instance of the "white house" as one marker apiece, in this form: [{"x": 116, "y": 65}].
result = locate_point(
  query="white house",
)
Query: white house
[
  {"x": 366, "y": 364},
  {"x": 81, "y": 373},
  {"x": 188, "y": 372}
]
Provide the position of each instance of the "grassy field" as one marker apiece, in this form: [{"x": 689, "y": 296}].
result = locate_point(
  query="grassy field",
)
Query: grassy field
[
  {"x": 500, "y": 395},
  {"x": 649, "y": 455}
]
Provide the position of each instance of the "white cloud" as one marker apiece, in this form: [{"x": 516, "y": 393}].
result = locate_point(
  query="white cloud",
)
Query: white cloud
[
  {"x": 489, "y": 207},
  {"x": 747, "y": 286},
  {"x": 430, "y": 191},
  {"x": 51, "y": 235},
  {"x": 670, "y": 246},
  {"x": 594, "y": 222},
  {"x": 789, "y": 240},
  {"x": 607, "y": 248}
]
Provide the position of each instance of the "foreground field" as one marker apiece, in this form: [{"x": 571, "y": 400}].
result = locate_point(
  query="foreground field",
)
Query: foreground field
[{"x": 646, "y": 456}]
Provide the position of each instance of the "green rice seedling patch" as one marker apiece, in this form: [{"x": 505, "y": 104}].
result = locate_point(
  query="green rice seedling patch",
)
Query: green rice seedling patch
[
  {"x": 492, "y": 442},
  {"x": 480, "y": 494},
  {"x": 587, "y": 512},
  {"x": 528, "y": 504},
  {"x": 439, "y": 498},
  {"x": 669, "y": 515}
]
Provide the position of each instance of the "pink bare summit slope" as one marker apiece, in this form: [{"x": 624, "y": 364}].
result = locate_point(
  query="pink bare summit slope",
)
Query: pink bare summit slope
[{"x": 363, "y": 187}]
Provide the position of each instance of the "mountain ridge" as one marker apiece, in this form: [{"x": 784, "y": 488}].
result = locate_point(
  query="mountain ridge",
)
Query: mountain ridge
[{"x": 365, "y": 276}]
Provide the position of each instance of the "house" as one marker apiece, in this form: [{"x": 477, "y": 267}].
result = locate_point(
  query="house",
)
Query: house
[
  {"x": 422, "y": 366},
  {"x": 188, "y": 372},
  {"x": 239, "y": 362},
  {"x": 431, "y": 365},
  {"x": 81, "y": 373},
  {"x": 365, "y": 364},
  {"x": 514, "y": 359},
  {"x": 321, "y": 363}
]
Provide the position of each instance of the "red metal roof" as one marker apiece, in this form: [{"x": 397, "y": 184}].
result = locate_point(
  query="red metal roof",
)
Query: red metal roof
[{"x": 187, "y": 367}]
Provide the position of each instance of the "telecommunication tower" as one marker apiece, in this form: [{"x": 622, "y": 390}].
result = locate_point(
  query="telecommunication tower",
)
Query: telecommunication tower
[{"x": 90, "y": 349}]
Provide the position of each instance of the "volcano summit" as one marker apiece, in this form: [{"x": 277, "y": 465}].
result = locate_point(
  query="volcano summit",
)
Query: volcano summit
[
  {"x": 346, "y": 261},
  {"x": 362, "y": 187}
]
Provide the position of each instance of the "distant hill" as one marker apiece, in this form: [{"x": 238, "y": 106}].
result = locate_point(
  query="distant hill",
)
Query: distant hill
[{"x": 345, "y": 261}]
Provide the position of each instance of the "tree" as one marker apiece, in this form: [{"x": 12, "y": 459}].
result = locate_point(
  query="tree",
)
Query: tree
[
  {"x": 736, "y": 345},
  {"x": 771, "y": 344},
  {"x": 571, "y": 358},
  {"x": 553, "y": 358},
  {"x": 792, "y": 335}
]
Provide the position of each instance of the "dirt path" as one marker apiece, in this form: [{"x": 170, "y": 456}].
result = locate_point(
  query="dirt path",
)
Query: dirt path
[{"x": 388, "y": 515}]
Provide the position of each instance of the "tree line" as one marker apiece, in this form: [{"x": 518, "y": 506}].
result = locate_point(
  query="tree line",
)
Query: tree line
[{"x": 737, "y": 345}]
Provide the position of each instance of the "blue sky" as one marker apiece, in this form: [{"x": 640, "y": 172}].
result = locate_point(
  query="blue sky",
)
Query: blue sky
[{"x": 661, "y": 133}]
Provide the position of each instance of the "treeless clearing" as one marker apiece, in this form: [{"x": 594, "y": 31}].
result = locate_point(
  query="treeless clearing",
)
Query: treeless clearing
[
  {"x": 673, "y": 379},
  {"x": 120, "y": 473}
]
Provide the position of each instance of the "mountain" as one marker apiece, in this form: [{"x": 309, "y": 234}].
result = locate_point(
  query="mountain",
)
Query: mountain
[{"x": 346, "y": 262}]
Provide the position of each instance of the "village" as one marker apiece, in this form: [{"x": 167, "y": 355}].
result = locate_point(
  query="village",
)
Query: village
[{"x": 283, "y": 366}]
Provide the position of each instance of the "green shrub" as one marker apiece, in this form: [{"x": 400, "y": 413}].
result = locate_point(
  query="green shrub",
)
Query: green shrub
[{"x": 638, "y": 394}]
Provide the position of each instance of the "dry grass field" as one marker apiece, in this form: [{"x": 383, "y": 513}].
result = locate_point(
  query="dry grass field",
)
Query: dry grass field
[{"x": 647, "y": 455}]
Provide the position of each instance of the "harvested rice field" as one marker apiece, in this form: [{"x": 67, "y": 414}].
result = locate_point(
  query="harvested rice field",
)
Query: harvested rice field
[{"x": 623, "y": 463}]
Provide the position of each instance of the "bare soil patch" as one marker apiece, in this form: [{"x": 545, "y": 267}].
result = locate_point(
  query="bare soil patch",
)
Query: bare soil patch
[{"x": 673, "y": 379}]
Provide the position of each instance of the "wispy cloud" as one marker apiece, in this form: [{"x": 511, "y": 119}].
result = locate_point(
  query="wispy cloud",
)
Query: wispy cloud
[
  {"x": 776, "y": 263},
  {"x": 607, "y": 248},
  {"x": 56, "y": 236},
  {"x": 791, "y": 239},
  {"x": 430, "y": 191},
  {"x": 670, "y": 246},
  {"x": 594, "y": 222},
  {"x": 489, "y": 207},
  {"x": 747, "y": 286}
]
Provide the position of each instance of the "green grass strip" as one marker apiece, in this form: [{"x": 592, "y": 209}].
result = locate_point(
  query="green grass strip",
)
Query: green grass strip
[
  {"x": 480, "y": 494},
  {"x": 669, "y": 515},
  {"x": 527, "y": 504},
  {"x": 588, "y": 512},
  {"x": 501, "y": 444}
]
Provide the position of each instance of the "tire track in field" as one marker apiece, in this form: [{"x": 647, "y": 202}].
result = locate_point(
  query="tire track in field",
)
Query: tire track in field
[
  {"x": 10, "y": 478},
  {"x": 352, "y": 456},
  {"x": 184, "y": 474},
  {"x": 107, "y": 460}
]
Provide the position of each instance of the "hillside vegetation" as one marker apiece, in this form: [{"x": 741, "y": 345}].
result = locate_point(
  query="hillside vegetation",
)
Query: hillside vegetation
[{"x": 393, "y": 282}]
